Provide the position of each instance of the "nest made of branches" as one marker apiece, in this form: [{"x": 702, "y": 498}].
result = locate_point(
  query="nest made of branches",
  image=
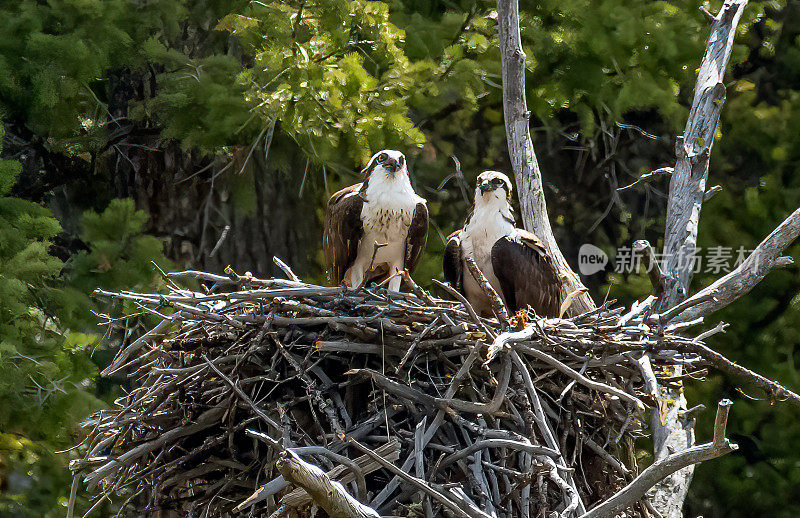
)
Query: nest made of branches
[{"x": 536, "y": 418}]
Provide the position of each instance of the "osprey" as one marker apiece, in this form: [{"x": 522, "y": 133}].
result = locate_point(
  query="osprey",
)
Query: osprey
[
  {"x": 514, "y": 261},
  {"x": 376, "y": 228}
]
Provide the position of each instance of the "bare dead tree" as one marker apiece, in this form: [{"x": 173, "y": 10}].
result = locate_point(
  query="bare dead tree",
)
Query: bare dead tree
[
  {"x": 672, "y": 431},
  {"x": 693, "y": 151}
]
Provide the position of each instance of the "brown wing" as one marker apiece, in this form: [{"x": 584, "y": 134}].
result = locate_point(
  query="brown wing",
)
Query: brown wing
[
  {"x": 417, "y": 237},
  {"x": 452, "y": 263},
  {"x": 526, "y": 274},
  {"x": 343, "y": 231}
]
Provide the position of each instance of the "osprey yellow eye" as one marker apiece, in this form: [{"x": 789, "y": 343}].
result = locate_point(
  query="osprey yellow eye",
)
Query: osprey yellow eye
[{"x": 382, "y": 157}]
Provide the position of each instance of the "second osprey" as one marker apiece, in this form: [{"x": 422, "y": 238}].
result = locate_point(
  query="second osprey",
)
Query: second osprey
[
  {"x": 377, "y": 228},
  {"x": 514, "y": 261}
]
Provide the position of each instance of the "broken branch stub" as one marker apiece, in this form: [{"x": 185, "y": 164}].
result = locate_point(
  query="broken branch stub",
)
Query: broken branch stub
[{"x": 326, "y": 493}]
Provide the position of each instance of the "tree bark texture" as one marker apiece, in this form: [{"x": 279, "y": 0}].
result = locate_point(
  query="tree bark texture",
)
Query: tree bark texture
[
  {"x": 328, "y": 494},
  {"x": 693, "y": 150},
  {"x": 527, "y": 174},
  {"x": 672, "y": 432}
]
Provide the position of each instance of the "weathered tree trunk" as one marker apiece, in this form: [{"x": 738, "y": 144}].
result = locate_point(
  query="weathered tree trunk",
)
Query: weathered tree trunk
[
  {"x": 688, "y": 185},
  {"x": 281, "y": 224},
  {"x": 527, "y": 174},
  {"x": 193, "y": 204},
  {"x": 205, "y": 222},
  {"x": 686, "y": 194}
]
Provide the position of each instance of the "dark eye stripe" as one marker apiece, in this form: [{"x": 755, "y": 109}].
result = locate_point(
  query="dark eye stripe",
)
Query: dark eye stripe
[{"x": 382, "y": 157}]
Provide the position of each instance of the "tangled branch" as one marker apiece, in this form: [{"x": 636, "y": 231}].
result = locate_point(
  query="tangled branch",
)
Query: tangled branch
[{"x": 275, "y": 395}]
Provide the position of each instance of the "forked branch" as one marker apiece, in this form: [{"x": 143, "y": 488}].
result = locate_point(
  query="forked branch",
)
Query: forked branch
[
  {"x": 663, "y": 468},
  {"x": 727, "y": 289}
]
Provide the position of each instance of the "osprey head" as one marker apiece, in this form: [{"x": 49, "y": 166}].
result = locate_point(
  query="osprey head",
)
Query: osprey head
[
  {"x": 387, "y": 162},
  {"x": 492, "y": 185}
]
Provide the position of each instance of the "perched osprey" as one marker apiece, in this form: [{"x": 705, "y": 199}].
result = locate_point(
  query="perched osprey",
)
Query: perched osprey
[
  {"x": 514, "y": 261},
  {"x": 382, "y": 209}
]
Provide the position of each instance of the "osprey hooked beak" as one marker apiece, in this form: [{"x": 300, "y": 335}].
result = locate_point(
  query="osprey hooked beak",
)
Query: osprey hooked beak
[
  {"x": 488, "y": 186},
  {"x": 392, "y": 165},
  {"x": 390, "y": 160},
  {"x": 489, "y": 182}
]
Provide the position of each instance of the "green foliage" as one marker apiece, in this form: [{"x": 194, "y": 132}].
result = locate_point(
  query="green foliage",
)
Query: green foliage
[
  {"x": 120, "y": 255},
  {"x": 42, "y": 382},
  {"x": 53, "y": 54},
  {"x": 616, "y": 57},
  {"x": 46, "y": 370},
  {"x": 333, "y": 75},
  {"x": 199, "y": 101}
]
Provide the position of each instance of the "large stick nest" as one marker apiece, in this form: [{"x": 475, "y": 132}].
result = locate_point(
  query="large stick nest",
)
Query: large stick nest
[{"x": 547, "y": 425}]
